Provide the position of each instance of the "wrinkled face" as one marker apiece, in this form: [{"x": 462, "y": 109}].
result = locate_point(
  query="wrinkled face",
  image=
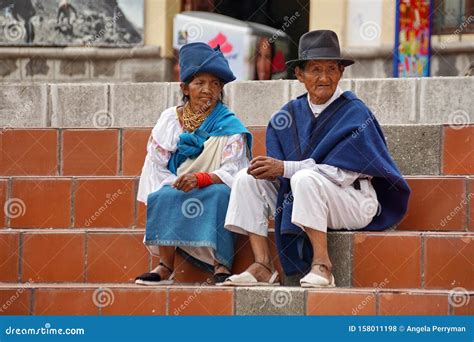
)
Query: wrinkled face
[
  {"x": 320, "y": 78},
  {"x": 204, "y": 91},
  {"x": 264, "y": 60}
]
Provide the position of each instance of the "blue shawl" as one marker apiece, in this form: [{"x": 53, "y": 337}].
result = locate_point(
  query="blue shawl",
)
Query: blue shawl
[
  {"x": 345, "y": 135},
  {"x": 220, "y": 122}
]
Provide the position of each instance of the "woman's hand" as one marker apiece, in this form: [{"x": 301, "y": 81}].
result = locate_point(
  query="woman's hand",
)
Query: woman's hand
[
  {"x": 266, "y": 168},
  {"x": 186, "y": 182}
]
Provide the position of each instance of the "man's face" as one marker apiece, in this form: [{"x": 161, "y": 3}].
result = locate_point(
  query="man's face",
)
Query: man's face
[{"x": 320, "y": 79}]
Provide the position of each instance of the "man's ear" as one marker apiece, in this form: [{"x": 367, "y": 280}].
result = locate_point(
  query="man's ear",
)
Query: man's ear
[
  {"x": 299, "y": 74},
  {"x": 341, "y": 69}
]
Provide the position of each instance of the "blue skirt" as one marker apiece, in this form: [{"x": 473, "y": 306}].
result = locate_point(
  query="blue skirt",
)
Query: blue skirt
[{"x": 192, "y": 219}]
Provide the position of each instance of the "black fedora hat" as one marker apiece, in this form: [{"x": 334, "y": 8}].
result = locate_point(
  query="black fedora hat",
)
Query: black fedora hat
[{"x": 319, "y": 45}]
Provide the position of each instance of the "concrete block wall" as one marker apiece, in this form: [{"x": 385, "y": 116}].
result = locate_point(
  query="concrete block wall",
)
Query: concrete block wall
[
  {"x": 438, "y": 100},
  {"x": 79, "y": 65}
]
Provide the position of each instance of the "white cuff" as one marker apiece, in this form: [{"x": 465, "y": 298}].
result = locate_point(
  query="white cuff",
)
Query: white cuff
[
  {"x": 169, "y": 180},
  {"x": 292, "y": 167}
]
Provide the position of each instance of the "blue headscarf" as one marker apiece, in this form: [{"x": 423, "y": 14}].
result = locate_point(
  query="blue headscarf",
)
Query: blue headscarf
[
  {"x": 220, "y": 122},
  {"x": 200, "y": 57}
]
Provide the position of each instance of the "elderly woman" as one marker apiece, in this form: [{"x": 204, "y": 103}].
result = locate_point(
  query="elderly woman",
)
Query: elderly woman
[
  {"x": 328, "y": 166},
  {"x": 193, "y": 154}
]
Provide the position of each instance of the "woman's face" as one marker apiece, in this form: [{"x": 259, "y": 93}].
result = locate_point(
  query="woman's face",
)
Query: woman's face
[
  {"x": 203, "y": 91},
  {"x": 264, "y": 60}
]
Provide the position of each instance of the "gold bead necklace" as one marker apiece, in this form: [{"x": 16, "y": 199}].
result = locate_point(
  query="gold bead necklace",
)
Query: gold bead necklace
[{"x": 192, "y": 120}]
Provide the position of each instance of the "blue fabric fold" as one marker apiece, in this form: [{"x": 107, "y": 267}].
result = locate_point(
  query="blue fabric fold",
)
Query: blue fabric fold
[
  {"x": 193, "y": 219},
  {"x": 345, "y": 135},
  {"x": 220, "y": 122}
]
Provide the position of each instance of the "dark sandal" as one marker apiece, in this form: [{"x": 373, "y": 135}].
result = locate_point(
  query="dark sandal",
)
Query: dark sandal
[
  {"x": 152, "y": 278},
  {"x": 221, "y": 276}
]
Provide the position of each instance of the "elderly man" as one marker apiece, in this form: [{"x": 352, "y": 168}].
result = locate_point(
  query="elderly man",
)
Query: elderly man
[{"x": 327, "y": 167}]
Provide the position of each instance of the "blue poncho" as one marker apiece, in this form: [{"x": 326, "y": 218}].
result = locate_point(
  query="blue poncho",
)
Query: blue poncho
[{"x": 345, "y": 135}]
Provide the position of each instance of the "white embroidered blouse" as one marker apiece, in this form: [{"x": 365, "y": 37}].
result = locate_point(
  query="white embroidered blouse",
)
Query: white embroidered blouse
[{"x": 163, "y": 141}]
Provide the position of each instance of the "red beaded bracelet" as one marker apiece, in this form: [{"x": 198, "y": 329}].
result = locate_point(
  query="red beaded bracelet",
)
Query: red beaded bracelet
[{"x": 203, "y": 179}]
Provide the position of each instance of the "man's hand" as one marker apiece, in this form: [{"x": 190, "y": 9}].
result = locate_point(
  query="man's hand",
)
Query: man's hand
[
  {"x": 186, "y": 182},
  {"x": 266, "y": 168}
]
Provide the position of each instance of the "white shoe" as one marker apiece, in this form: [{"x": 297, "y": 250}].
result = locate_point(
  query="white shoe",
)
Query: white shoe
[
  {"x": 315, "y": 280},
  {"x": 247, "y": 279}
]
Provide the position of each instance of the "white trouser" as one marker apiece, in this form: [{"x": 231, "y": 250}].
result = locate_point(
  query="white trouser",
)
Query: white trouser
[{"x": 318, "y": 203}]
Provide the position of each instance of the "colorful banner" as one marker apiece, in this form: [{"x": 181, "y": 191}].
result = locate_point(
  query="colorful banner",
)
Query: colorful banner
[{"x": 412, "y": 39}]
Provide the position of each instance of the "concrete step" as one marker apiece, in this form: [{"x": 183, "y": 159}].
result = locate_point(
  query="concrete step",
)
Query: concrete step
[
  {"x": 422, "y": 260},
  {"x": 203, "y": 299},
  {"x": 438, "y": 203},
  {"x": 433, "y": 100},
  {"x": 417, "y": 149}
]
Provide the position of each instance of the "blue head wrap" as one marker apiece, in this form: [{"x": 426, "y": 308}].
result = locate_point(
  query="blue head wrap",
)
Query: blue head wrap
[{"x": 200, "y": 57}]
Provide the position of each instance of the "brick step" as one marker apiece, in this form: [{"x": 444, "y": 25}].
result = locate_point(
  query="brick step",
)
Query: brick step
[
  {"x": 438, "y": 203},
  {"x": 203, "y": 299},
  {"x": 417, "y": 149},
  {"x": 425, "y": 260}
]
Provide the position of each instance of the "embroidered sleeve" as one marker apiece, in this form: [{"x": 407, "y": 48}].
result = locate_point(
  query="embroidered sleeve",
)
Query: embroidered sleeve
[
  {"x": 155, "y": 173},
  {"x": 234, "y": 158}
]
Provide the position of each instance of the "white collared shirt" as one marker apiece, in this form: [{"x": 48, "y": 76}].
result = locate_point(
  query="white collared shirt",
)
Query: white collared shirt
[{"x": 317, "y": 109}]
